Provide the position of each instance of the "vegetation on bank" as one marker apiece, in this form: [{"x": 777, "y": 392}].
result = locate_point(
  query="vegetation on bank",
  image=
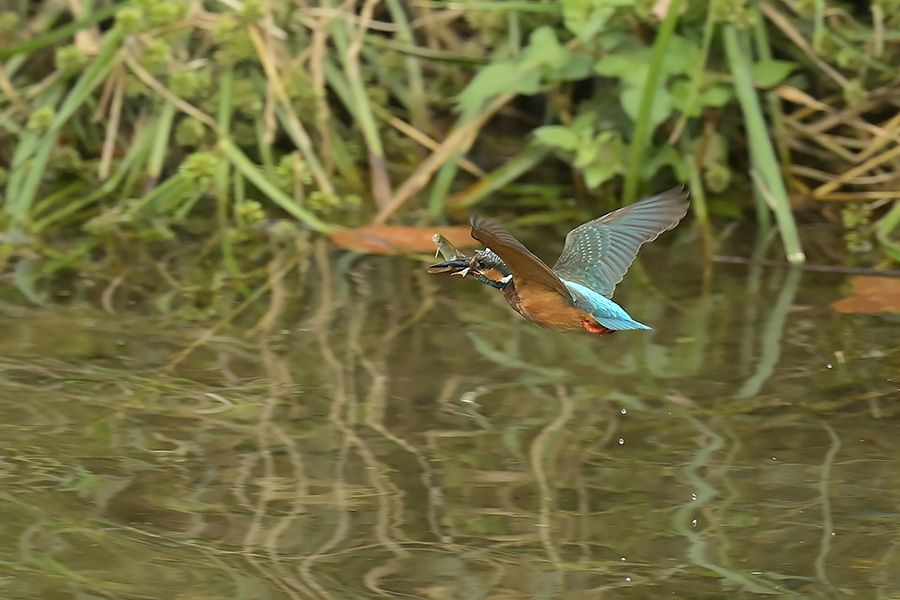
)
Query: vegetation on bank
[{"x": 210, "y": 135}]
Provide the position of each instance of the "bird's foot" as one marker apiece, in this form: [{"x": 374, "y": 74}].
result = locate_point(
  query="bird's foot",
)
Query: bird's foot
[{"x": 596, "y": 328}]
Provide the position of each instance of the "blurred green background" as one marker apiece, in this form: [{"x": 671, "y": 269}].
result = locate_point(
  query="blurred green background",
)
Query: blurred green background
[{"x": 209, "y": 133}]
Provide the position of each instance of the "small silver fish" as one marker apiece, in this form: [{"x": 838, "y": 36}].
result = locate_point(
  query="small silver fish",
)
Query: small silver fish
[{"x": 447, "y": 250}]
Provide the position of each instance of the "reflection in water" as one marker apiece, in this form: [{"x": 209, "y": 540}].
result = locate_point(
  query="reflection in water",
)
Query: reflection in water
[
  {"x": 770, "y": 334},
  {"x": 380, "y": 436}
]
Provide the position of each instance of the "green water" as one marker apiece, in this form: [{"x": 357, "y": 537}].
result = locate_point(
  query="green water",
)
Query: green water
[{"x": 379, "y": 433}]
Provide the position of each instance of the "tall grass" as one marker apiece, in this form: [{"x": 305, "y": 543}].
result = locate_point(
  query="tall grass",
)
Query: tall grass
[{"x": 153, "y": 119}]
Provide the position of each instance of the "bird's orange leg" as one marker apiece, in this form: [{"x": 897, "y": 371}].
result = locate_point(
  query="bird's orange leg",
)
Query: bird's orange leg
[{"x": 596, "y": 328}]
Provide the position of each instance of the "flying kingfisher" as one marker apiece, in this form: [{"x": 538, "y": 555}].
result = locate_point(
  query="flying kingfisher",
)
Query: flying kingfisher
[{"x": 576, "y": 292}]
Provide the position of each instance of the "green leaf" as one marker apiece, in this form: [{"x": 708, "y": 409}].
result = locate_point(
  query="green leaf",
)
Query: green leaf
[
  {"x": 725, "y": 208},
  {"x": 544, "y": 49},
  {"x": 659, "y": 111},
  {"x": 495, "y": 79},
  {"x": 612, "y": 148},
  {"x": 557, "y": 136},
  {"x": 716, "y": 95},
  {"x": 681, "y": 96},
  {"x": 630, "y": 62},
  {"x": 767, "y": 73},
  {"x": 607, "y": 158},
  {"x": 584, "y": 122},
  {"x": 576, "y": 67},
  {"x": 585, "y": 18},
  {"x": 586, "y": 155},
  {"x": 630, "y": 67},
  {"x": 523, "y": 76},
  {"x": 599, "y": 173},
  {"x": 681, "y": 58},
  {"x": 665, "y": 156}
]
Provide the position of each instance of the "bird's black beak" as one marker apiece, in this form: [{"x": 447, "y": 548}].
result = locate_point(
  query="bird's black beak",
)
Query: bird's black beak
[{"x": 453, "y": 267}]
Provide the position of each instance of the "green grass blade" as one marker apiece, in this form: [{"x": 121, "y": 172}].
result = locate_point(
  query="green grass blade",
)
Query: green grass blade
[
  {"x": 443, "y": 56},
  {"x": 57, "y": 196},
  {"x": 496, "y": 179},
  {"x": 138, "y": 154},
  {"x": 27, "y": 144},
  {"x": 762, "y": 154},
  {"x": 162, "y": 135},
  {"x": 443, "y": 181},
  {"x": 883, "y": 229},
  {"x": 699, "y": 74},
  {"x": 92, "y": 77},
  {"x": 168, "y": 193},
  {"x": 698, "y": 204},
  {"x": 642, "y": 130},
  {"x": 257, "y": 178},
  {"x": 773, "y": 101},
  {"x": 418, "y": 100},
  {"x": 360, "y": 106},
  {"x": 93, "y": 16},
  {"x": 223, "y": 176},
  {"x": 129, "y": 165}
]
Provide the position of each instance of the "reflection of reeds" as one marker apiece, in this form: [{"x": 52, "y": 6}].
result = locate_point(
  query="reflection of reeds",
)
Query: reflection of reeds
[
  {"x": 770, "y": 334},
  {"x": 357, "y": 446}
]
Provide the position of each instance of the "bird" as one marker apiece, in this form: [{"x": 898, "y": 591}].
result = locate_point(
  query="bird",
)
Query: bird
[{"x": 577, "y": 292}]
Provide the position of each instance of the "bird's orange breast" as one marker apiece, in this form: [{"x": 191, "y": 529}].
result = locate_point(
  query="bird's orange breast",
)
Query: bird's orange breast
[{"x": 545, "y": 307}]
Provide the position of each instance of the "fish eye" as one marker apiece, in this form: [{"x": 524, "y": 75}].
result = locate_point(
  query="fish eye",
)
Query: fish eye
[{"x": 480, "y": 264}]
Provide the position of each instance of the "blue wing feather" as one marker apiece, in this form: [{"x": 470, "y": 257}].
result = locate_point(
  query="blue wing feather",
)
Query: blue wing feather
[
  {"x": 608, "y": 313},
  {"x": 598, "y": 253}
]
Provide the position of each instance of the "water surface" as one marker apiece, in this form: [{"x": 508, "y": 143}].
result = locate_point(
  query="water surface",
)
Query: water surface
[{"x": 370, "y": 431}]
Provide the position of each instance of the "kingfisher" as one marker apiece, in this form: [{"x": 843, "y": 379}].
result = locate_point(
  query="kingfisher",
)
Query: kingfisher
[{"x": 577, "y": 292}]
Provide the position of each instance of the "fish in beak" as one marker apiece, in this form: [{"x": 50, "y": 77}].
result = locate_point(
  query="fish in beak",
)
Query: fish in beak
[{"x": 457, "y": 266}]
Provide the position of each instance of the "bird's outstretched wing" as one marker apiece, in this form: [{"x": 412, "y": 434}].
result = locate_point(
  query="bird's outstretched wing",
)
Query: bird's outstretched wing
[
  {"x": 598, "y": 253},
  {"x": 524, "y": 266}
]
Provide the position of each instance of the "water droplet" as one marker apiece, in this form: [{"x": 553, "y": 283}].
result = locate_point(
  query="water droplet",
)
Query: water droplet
[
  {"x": 628, "y": 579},
  {"x": 623, "y": 411},
  {"x": 829, "y": 365},
  {"x": 694, "y": 522},
  {"x": 622, "y": 559},
  {"x": 621, "y": 441},
  {"x": 694, "y": 497}
]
